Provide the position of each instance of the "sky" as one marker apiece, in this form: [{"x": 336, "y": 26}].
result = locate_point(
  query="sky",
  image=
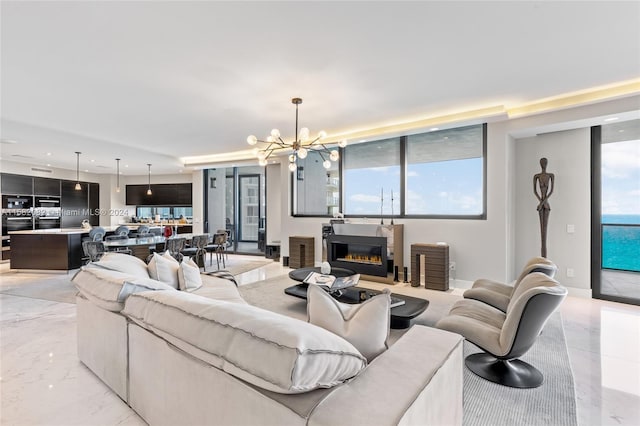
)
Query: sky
[
  {"x": 621, "y": 177},
  {"x": 439, "y": 188}
]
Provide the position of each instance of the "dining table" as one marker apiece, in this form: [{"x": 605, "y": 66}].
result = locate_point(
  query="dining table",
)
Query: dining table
[{"x": 141, "y": 246}]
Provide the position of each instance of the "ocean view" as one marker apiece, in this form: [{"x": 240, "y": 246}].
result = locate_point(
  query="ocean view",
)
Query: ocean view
[{"x": 621, "y": 244}]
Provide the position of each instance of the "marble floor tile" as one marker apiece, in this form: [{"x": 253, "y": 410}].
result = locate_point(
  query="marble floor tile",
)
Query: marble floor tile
[{"x": 42, "y": 382}]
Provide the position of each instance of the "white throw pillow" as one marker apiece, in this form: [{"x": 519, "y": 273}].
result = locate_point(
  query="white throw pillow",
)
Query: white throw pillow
[
  {"x": 365, "y": 325},
  {"x": 164, "y": 268},
  {"x": 123, "y": 263},
  {"x": 189, "y": 276}
]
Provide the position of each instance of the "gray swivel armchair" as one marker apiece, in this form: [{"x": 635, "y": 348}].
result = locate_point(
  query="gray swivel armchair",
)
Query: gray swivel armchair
[
  {"x": 504, "y": 337},
  {"x": 498, "y": 294}
]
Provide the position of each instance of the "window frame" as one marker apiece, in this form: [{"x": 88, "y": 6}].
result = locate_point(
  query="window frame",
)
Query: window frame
[{"x": 403, "y": 188}]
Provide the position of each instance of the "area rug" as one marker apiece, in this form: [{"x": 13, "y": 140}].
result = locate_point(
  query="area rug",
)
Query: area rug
[
  {"x": 485, "y": 403},
  {"x": 57, "y": 287},
  {"x": 238, "y": 266}
]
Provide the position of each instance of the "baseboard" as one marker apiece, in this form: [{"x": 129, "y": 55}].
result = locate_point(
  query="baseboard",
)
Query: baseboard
[
  {"x": 585, "y": 293},
  {"x": 463, "y": 284}
]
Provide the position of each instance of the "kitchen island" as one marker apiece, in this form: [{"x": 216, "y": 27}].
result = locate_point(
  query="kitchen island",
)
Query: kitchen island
[
  {"x": 52, "y": 249},
  {"x": 49, "y": 249}
]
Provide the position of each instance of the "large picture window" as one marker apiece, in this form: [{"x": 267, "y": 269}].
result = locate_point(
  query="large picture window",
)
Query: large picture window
[
  {"x": 317, "y": 190},
  {"x": 372, "y": 171},
  {"x": 445, "y": 173},
  {"x": 437, "y": 174}
]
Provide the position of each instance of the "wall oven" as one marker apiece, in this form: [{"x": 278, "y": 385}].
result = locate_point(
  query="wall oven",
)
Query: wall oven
[
  {"x": 14, "y": 222},
  {"x": 46, "y": 214}
]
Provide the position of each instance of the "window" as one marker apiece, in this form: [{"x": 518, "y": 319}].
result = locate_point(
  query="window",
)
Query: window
[
  {"x": 434, "y": 174},
  {"x": 371, "y": 173},
  {"x": 317, "y": 189},
  {"x": 445, "y": 173}
]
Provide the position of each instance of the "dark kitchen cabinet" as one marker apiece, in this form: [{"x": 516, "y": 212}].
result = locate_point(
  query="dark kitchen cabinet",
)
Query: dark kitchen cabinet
[
  {"x": 17, "y": 184},
  {"x": 75, "y": 204},
  {"x": 45, "y": 186},
  {"x": 169, "y": 194},
  {"x": 94, "y": 204}
]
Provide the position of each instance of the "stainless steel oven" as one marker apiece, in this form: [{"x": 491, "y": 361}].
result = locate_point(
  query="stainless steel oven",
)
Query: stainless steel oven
[{"x": 15, "y": 222}]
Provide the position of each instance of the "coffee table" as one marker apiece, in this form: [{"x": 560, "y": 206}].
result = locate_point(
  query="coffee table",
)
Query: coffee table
[
  {"x": 301, "y": 273},
  {"x": 401, "y": 316}
]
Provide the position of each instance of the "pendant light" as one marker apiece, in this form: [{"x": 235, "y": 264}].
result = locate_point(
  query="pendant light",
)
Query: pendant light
[
  {"x": 149, "y": 189},
  {"x": 78, "y": 187},
  {"x": 117, "y": 175}
]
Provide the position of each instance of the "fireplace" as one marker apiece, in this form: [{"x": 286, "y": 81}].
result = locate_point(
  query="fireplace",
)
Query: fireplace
[{"x": 364, "y": 255}]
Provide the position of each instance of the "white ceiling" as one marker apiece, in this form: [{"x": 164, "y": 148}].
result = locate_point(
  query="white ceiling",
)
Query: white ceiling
[{"x": 152, "y": 82}]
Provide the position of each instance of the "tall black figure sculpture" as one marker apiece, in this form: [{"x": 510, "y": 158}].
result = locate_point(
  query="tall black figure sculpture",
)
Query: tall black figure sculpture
[{"x": 543, "y": 188}]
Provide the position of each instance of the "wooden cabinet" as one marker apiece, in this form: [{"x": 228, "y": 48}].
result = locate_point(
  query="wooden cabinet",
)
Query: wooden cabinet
[
  {"x": 74, "y": 203},
  {"x": 17, "y": 184},
  {"x": 46, "y": 186},
  {"x": 170, "y": 194},
  {"x": 94, "y": 204}
]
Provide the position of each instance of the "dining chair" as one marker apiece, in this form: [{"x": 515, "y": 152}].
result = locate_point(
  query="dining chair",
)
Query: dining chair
[
  {"x": 196, "y": 250},
  {"x": 93, "y": 250},
  {"x": 218, "y": 246}
]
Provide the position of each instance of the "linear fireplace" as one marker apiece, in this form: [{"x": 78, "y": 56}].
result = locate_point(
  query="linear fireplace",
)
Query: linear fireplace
[{"x": 364, "y": 255}]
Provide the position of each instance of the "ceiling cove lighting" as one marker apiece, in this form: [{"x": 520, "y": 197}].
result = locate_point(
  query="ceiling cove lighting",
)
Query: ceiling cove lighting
[
  {"x": 78, "y": 187},
  {"x": 117, "y": 175},
  {"x": 149, "y": 188},
  {"x": 299, "y": 148}
]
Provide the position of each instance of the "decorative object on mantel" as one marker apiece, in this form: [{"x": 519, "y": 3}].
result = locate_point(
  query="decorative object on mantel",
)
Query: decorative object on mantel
[
  {"x": 300, "y": 147},
  {"x": 381, "y": 204},
  {"x": 78, "y": 187},
  {"x": 543, "y": 188},
  {"x": 392, "y": 206}
]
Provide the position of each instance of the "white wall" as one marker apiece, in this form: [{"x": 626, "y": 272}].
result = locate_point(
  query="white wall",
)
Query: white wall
[
  {"x": 274, "y": 203},
  {"x": 217, "y": 200},
  {"x": 568, "y": 155},
  {"x": 497, "y": 247}
]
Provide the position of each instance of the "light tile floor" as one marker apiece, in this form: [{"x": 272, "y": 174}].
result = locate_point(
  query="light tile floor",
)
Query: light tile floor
[{"x": 42, "y": 382}]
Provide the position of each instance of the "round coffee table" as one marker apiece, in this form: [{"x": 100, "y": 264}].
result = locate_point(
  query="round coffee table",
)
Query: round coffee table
[{"x": 301, "y": 273}]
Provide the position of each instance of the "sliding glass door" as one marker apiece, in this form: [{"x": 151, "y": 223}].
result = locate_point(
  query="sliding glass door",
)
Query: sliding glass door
[{"x": 616, "y": 211}]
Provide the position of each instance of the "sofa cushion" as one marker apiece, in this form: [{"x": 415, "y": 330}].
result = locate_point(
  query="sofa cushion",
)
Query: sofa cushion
[
  {"x": 123, "y": 263},
  {"x": 189, "y": 275},
  {"x": 163, "y": 267},
  {"x": 219, "y": 289},
  {"x": 365, "y": 325},
  {"x": 109, "y": 289},
  {"x": 266, "y": 349}
]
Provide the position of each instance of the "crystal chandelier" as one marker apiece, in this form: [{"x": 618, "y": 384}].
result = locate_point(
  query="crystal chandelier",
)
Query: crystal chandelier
[{"x": 300, "y": 147}]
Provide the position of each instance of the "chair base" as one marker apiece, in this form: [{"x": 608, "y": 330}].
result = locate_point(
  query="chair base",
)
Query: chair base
[{"x": 513, "y": 373}]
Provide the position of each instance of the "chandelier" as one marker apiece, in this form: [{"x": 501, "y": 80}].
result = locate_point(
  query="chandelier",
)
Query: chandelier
[{"x": 300, "y": 147}]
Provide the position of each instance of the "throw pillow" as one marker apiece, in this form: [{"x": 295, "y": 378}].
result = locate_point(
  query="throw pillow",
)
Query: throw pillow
[
  {"x": 189, "y": 276},
  {"x": 365, "y": 325},
  {"x": 165, "y": 269},
  {"x": 123, "y": 263}
]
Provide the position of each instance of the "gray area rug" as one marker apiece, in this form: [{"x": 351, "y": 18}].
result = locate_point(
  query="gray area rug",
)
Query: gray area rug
[
  {"x": 57, "y": 287},
  {"x": 485, "y": 403}
]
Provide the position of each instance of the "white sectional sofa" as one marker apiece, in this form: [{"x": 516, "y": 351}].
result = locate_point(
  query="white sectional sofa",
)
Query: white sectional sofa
[{"x": 207, "y": 357}]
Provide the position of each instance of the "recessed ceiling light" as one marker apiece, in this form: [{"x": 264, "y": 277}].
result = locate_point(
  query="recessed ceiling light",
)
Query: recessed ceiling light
[
  {"x": 363, "y": 140},
  {"x": 48, "y": 165},
  {"x": 48, "y": 153},
  {"x": 8, "y": 141},
  {"x": 126, "y": 165},
  {"x": 86, "y": 170},
  {"x": 611, "y": 119},
  {"x": 621, "y": 131},
  {"x": 433, "y": 129},
  {"x": 93, "y": 161}
]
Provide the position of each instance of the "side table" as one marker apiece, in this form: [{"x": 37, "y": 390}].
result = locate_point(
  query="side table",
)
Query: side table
[
  {"x": 436, "y": 265},
  {"x": 301, "y": 252}
]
